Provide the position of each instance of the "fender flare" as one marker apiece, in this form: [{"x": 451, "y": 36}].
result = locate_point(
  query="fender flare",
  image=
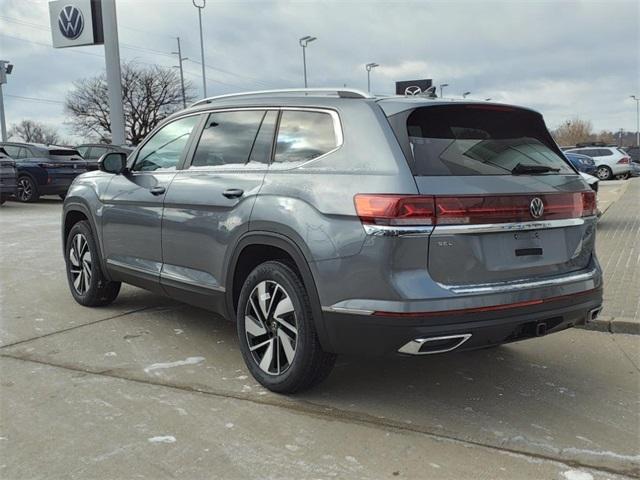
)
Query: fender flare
[{"x": 297, "y": 254}]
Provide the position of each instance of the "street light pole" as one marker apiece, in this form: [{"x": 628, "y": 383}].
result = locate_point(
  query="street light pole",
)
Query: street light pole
[
  {"x": 114, "y": 75},
  {"x": 442, "y": 87},
  {"x": 369, "y": 67},
  {"x": 304, "y": 41},
  {"x": 180, "y": 60},
  {"x": 5, "y": 69},
  {"x": 204, "y": 77},
  {"x": 637, "y": 119}
]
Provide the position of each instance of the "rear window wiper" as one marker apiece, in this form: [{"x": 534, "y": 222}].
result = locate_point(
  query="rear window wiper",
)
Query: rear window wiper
[{"x": 523, "y": 168}]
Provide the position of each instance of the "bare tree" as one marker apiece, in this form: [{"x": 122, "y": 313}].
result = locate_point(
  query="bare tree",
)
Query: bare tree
[
  {"x": 149, "y": 95},
  {"x": 34, "y": 132},
  {"x": 573, "y": 131}
]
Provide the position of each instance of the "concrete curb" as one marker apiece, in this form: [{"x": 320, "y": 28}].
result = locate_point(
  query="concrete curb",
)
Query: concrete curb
[{"x": 614, "y": 325}]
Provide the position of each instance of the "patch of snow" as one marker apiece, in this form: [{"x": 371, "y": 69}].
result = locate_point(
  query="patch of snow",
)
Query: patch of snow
[
  {"x": 351, "y": 459},
  {"x": 242, "y": 377},
  {"x": 577, "y": 475},
  {"x": 292, "y": 448},
  {"x": 162, "y": 439},
  {"x": 178, "y": 331},
  {"x": 228, "y": 425},
  {"x": 111, "y": 354},
  {"x": 178, "y": 363},
  {"x": 434, "y": 465}
]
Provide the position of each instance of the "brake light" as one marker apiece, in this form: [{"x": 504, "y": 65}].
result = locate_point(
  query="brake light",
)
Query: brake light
[
  {"x": 465, "y": 210},
  {"x": 395, "y": 209},
  {"x": 624, "y": 160}
]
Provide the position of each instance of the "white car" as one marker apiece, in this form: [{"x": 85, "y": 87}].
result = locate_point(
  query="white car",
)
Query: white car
[{"x": 610, "y": 161}]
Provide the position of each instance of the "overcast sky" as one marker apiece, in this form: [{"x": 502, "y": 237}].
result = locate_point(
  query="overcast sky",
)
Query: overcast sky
[{"x": 562, "y": 58}]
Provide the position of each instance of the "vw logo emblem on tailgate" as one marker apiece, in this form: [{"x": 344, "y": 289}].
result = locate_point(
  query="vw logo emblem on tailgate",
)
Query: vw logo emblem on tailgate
[
  {"x": 536, "y": 208},
  {"x": 71, "y": 22}
]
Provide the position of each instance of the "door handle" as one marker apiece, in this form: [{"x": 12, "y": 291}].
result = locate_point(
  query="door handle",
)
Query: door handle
[
  {"x": 233, "y": 193},
  {"x": 157, "y": 190}
]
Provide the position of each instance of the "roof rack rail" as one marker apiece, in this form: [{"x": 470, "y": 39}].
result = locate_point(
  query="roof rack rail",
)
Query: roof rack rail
[{"x": 340, "y": 92}]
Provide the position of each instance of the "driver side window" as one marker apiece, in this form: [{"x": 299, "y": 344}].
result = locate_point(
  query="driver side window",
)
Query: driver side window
[{"x": 164, "y": 150}]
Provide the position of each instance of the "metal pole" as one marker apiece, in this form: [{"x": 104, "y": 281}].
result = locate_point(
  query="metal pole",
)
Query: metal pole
[
  {"x": 204, "y": 76},
  {"x": 114, "y": 76},
  {"x": 3, "y": 123},
  {"x": 637, "y": 122},
  {"x": 304, "y": 64},
  {"x": 180, "y": 59}
]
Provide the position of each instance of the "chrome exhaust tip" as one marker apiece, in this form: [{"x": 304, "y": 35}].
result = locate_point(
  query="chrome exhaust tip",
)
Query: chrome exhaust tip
[
  {"x": 593, "y": 314},
  {"x": 431, "y": 345}
]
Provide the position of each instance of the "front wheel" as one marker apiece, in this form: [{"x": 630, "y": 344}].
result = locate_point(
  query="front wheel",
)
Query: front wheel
[
  {"x": 604, "y": 172},
  {"x": 277, "y": 332},
  {"x": 27, "y": 190},
  {"x": 87, "y": 282}
]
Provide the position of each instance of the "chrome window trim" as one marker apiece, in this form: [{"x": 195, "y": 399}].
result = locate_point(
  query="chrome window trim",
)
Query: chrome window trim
[
  {"x": 398, "y": 230},
  {"x": 508, "y": 227},
  {"x": 500, "y": 287}
]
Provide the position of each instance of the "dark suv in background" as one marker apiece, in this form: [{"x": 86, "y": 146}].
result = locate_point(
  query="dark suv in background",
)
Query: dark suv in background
[
  {"x": 8, "y": 176},
  {"x": 328, "y": 222},
  {"x": 43, "y": 169},
  {"x": 91, "y": 152}
]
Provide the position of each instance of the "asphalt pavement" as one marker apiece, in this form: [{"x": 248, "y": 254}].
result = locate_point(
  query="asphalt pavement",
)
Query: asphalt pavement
[{"x": 151, "y": 388}]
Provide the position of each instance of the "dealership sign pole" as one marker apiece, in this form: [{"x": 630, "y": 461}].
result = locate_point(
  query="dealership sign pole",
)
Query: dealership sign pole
[{"x": 93, "y": 22}]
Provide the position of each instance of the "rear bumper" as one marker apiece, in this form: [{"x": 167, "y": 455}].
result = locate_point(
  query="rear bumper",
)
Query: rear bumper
[{"x": 380, "y": 335}]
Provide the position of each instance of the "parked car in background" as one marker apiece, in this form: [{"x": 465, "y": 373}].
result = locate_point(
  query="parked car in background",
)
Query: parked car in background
[
  {"x": 582, "y": 163},
  {"x": 634, "y": 153},
  {"x": 91, "y": 152},
  {"x": 610, "y": 161},
  {"x": 336, "y": 222},
  {"x": 8, "y": 176},
  {"x": 43, "y": 169}
]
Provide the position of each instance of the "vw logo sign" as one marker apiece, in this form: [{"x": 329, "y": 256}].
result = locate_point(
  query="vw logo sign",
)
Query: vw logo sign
[
  {"x": 413, "y": 90},
  {"x": 536, "y": 208},
  {"x": 71, "y": 22}
]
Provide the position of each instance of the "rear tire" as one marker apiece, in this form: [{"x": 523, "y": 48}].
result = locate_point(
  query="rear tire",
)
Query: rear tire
[
  {"x": 27, "y": 190},
  {"x": 277, "y": 333},
  {"x": 604, "y": 173},
  {"x": 87, "y": 282}
]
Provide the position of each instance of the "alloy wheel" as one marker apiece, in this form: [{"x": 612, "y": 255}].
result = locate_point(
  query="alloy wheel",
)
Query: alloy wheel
[
  {"x": 80, "y": 263},
  {"x": 271, "y": 327},
  {"x": 25, "y": 189},
  {"x": 603, "y": 173}
]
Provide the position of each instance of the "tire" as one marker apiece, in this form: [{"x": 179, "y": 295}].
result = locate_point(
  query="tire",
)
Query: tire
[
  {"x": 624, "y": 176},
  {"x": 87, "y": 282},
  {"x": 27, "y": 190},
  {"x": 604, "y": 173},
  {"x": 266, "y": 328}
]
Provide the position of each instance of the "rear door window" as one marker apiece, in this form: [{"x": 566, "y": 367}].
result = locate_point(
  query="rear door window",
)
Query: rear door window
[
  {"x": 470, "y": 140},
  {"x": 228, "y": 139},
  {"x": 96, "y": 152},
  {"x": 304, "y": 135}
]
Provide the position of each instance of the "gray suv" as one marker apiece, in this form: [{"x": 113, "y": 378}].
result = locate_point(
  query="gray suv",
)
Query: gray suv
[{"x": 325, "y": 222}]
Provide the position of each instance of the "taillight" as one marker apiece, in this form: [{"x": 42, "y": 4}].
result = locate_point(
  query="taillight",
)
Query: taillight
[
  {"x": 624, "y": 160},
  {"x": 395, "y": 209},
  {"x": 464, "y": 210}
]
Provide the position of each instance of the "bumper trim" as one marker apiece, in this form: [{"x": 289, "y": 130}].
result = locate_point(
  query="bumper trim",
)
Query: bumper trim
[{"x": 414, "y": 346}]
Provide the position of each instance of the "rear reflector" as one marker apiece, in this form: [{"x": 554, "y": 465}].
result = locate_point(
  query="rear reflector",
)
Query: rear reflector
[{"x": 465, "y": 210}]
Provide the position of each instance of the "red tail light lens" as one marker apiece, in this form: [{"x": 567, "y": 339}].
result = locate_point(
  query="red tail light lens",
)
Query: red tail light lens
[
  {"x": 395, "y": 209},
  {"x": 624, "y": 160},
  {"x": 464, "y": 210}
]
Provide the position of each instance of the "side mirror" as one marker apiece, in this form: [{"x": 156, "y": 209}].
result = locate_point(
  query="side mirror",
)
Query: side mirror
[{"x": 113, "y": 162}]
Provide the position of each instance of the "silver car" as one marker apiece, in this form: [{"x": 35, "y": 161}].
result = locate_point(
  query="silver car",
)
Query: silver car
[{"x": 325, "y": 222}]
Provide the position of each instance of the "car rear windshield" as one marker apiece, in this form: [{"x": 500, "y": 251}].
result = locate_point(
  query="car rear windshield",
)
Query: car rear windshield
[
  {"x": 477, "y": 140},
  {"x": 63, "y": 153}
]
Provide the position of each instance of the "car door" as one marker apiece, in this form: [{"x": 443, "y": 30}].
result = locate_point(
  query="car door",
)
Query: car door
[
  {"x": 132, "y": 213},
  {"x": 209, "y": 202}
]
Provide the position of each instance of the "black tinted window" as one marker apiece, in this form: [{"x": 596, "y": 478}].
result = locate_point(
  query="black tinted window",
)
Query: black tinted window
[
  {"x": 12, "y": 151},
  {"x": 604, "y": 152},
  {"x": 303, "y": 136},
  {"x": 164, "y": 149},
  {"x": 478, "y": 140},
  {"x": 228, "y": 138}
]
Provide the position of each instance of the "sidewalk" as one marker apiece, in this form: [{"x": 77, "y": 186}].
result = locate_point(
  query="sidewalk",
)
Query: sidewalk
[{"x": 618, "y": 249}]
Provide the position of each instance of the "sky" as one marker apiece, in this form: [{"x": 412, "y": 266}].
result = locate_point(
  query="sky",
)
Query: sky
[{"x": 565, "y": 59}]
